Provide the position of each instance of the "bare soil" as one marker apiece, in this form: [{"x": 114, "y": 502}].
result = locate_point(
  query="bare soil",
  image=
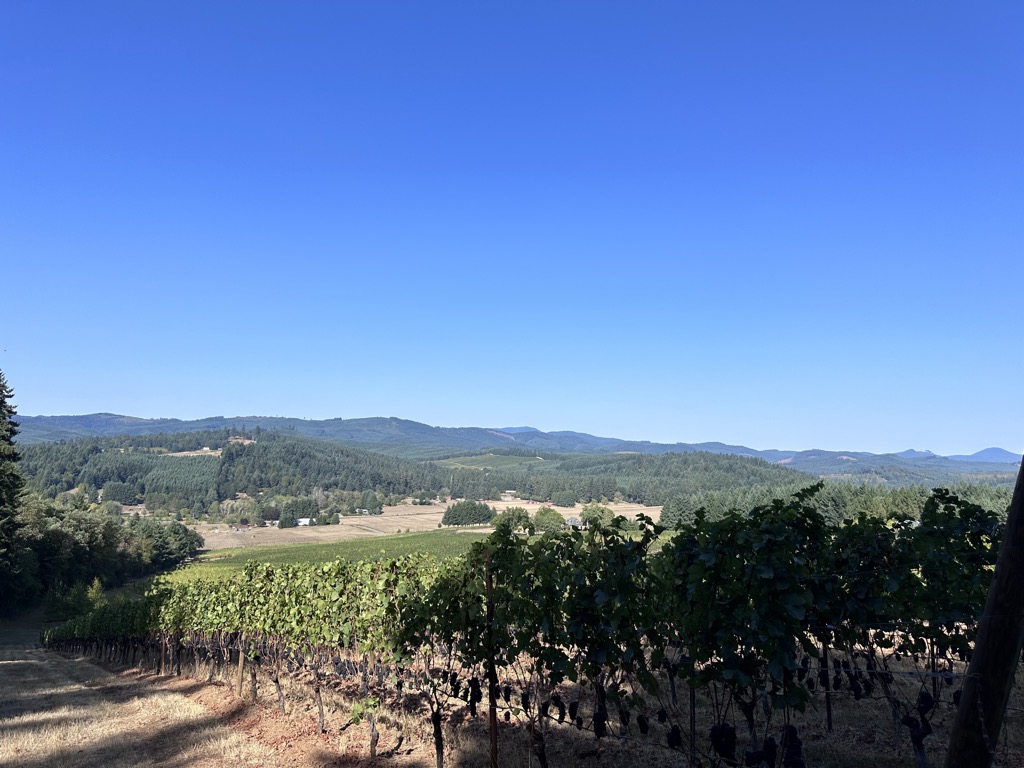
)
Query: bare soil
[
  {"x": 72, "y": 713},
  {"x": 60, "y": 712}
]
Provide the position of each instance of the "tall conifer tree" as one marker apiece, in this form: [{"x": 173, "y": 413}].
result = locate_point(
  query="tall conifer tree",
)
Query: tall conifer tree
[
  {"x": 10, "y": 479},
  {"x": 11, "y": 484}
]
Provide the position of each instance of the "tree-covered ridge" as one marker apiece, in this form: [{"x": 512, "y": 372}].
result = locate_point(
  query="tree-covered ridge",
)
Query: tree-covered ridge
[
  {"x": 261, "y": 474},
  {"x": 836, "y": 501},
  {"x": 137, "y": 469},
  {"x": 647, "y": 479},
  {"x": 295, "y": 466},
  {"x": 412, "y": 440},
  {"x": 275, "y": 464}
]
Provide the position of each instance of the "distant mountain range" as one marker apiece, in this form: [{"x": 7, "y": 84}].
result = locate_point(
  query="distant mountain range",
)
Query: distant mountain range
[
  {"x": 410, "y": 439},
  {"x": 989, "y": 454}
]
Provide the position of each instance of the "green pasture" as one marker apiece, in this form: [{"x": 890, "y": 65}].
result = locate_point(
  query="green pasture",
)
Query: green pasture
[{"x": 225, "y": 563}]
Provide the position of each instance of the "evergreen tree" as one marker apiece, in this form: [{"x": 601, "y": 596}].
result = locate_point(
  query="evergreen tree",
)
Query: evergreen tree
[
  {"x": 15, "y": 562},
  {"x": 468, "y": 512},
  {"x": 10, "y": 479}
]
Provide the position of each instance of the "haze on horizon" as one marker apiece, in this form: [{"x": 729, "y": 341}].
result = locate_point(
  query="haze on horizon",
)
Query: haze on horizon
[{"x": 787, "y": 227}]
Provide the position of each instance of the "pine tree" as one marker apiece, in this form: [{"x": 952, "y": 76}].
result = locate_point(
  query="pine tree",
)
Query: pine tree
[
  {"x": 12, "y": 554},
  {"x": 11, "y": 481}
]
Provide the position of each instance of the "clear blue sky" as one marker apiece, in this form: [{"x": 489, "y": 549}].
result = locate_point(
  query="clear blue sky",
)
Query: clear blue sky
[{"x": 785, "y": 224}]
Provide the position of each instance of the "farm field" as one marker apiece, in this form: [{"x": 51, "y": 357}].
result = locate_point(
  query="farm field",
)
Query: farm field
[
  {"x": 401, "y": 518},
  {"x": 223, "y": 564},
  {"x": 491, "y": 461},
  {"x": 401, "y": 530}
]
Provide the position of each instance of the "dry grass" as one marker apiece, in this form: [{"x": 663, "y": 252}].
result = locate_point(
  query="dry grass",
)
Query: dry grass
[
  {"x": 863, "y": 734},
  {"x": 63, "y": 713},
  {"x": 398, "y": 518}
]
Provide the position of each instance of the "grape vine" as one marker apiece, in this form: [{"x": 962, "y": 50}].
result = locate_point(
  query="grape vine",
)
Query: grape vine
[{"x": 603, "y": 629}]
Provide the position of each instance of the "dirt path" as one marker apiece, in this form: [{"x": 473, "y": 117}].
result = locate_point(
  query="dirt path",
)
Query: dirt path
[
  {"x": 62, "y": 712},
  {"x": 57, "y": 712}
]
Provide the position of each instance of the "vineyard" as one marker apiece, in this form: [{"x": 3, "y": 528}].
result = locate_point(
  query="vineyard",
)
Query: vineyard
[
  {"x": 716, "y": 643},
  {"x": 224, "y": 564}
]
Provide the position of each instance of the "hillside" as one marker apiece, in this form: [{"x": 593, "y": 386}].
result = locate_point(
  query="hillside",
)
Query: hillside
[
  {"x": 330, "y": 478},
  {"x": 407, "y": 439},
  {"x": 895, "y": 470},
  {"x": 997, "y": 455}
]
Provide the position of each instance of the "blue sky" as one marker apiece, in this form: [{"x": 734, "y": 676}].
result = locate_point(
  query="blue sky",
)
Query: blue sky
[{"x": 787, "y": 225}]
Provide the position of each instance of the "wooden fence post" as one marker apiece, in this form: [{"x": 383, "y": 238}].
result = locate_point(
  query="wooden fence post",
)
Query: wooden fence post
[{"x": 997, "y": 647}]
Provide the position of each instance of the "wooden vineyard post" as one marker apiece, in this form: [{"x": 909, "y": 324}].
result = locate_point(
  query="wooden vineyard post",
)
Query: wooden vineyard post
[
  {"x": 693, "y": 725},
  {"x": 240, "y": 676},
  {"x": 997, "y": 648},
  {"x": 827, "y": 679},
  {"x": 492, "y": 672}
]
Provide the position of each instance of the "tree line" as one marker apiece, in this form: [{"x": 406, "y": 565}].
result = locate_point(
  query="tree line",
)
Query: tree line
[
  {"x": 49, "y": 546},
  {"x": 256, "y": 477}
]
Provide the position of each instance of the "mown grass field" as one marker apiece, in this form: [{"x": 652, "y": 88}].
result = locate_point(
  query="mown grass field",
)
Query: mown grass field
[
  {"x": 491, "y": 461},
  {"x": 223, "y": 564}
]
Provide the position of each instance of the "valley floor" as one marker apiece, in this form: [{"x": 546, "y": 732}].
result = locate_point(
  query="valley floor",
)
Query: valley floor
[{"x": 395, "y": 519}]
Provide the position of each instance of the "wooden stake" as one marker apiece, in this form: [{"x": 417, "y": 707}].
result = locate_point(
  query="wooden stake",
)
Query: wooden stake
[{"x": 240, "y": 676}]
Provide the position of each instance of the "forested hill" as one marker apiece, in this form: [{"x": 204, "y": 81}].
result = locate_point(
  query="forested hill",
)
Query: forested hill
[
  {"x": 133, "y": 469},
  {"x": 398, "y": 437},
  {"x": 412, "y": 440}
]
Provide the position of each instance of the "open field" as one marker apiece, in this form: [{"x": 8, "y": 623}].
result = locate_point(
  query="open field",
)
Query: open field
[
  {"x": 406, "y": 517},
  {"x": 225, "y": 563},
  {"x": 401, "y": 518},
  {"x": 408, "y": 529},
  {"x": 491, "y": 461}
]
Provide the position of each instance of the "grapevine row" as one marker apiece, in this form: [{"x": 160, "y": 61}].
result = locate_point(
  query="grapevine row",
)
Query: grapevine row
[{"x": 605, "y": 629}]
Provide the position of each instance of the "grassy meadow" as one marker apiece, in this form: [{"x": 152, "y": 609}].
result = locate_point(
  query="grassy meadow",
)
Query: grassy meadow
[
  {"x": 491, "y": 461},
  {"x": 223, "y": 564}
]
